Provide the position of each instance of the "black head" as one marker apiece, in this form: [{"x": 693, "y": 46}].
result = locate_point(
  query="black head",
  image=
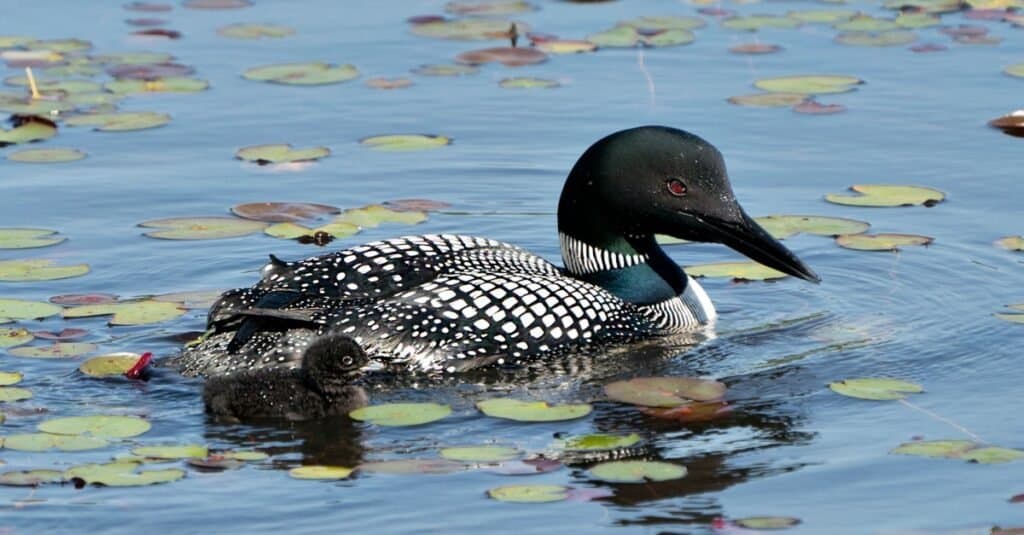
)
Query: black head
[
  {"x": 659, "y": 180},
  {"x": 333, "y": 357}
]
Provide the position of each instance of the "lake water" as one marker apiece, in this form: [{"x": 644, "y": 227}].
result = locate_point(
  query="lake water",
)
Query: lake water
[{"x": 792, "y": 448}]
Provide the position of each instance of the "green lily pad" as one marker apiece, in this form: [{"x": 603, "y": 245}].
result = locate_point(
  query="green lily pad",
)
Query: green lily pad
[
  {"x": 373, "y": 215},
  {"x": 14, "y": 393},
  {"x": 282, "y": 212},
  {"x": 917, "y": 20},
  {"x": 468, "y": 29},
  {"x": 317, "y": 471},
  {"x": 52, "y": 155},
  {"x": 401, "y": 414},
  {"x": 413, "y": 466},
  {"x": 757, "y": 22},
  {"x": 203, "y": 299},
  {"x": 122, "y": 474},
  {"x": 992, "y": 455},
  {"x": 566, "y": 46},
  {"x": 888, "y": 195},
  {"x": 216, "y": 4},
  {"x": 14, "y": 41},
  {"x": 768, "y": 100},
  {"x": 787, "y": 226},
  {"x": 664, "y": 391},
  {"x": 1013, "y": 243},
  {"x": 389, "y": 83},
  {"x": 1012, "y": 318},
  {"x": 40, "y": 107},
  {"x": 112, "y": 365},
  {"x": 866, "y": 23},
  {"x": 480, "y": 454},
  {"x": 129, "y": 312},
  {"x": 53, "y": 87},
  {"x": 38, "y": 270},
  {"x": 27, "y": 129},
  {"x": 120, "y": 121},
  {"x": 529, "y": 493},
  {"x": 809, "y": 85},
  {"x": 98, "y": 426},
  {"x": 822, "y": 16},
  {"x": 629, "y": 37},
  {"x": 59, "y": 45},
  {"x": 951, "y": 449},
  {"x": 875, "y": 388},
  {"x": 39, "y": 442},
  {"x": 881, "y": 242},
  {"x": 280, "y": 153},
  {"x": 188, "y": 451},
  {"x": 10, "y": 378},
  {"x": 490, "y": 8},
  {"x": 1017, "y": 70},
  {"x": 256, "y": 31},
  {"x": 531, "y": 411},
  {"x": 291, "y": 231},
  {"x": 245, "y": 455},
  {"x": 19, "y": 309},
  {"x": 665, "y": 22},
  {"x": 54, "y": 351},
  {"x": 637, "y": 471},
  {"x": 171, "y": 84},
  {"x": 889, "y": 38},
  {"x": 133, "y": 58},
  {"x": 525, "y": 82},
  {"x": 742, "y": 271},
  {"x": 600, "y": 442},
  {"x": 14, "y": 337},
  {"x": 314, "y": 73},
  {"x": 30, "y": 478},
  {"x": 441, "y": 69},
  {"x": 767, "y": 522},
  {"x": 202, "y": 228},
  {"x": 405, "y": 142}
]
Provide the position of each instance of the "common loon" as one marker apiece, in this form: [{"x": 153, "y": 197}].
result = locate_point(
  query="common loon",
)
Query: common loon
[{"x": 452, "y": 302}]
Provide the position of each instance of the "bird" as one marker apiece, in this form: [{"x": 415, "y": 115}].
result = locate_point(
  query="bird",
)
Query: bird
[{"x": 450, "y": 303}]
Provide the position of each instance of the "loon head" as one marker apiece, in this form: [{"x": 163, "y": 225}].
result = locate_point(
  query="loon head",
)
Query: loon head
[{"x": 651, "y": 180}]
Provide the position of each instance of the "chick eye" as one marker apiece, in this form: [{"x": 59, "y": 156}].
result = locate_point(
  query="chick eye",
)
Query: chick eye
[
  {"x": 676, "y": 187},
  {"x": 347, "y": 361}
]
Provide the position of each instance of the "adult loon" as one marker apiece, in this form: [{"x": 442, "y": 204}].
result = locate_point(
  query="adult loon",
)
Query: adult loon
[{"x": 450, "y": 302}]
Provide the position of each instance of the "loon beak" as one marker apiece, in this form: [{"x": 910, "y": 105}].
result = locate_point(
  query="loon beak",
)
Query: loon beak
[{"x": 749, "y": 238}]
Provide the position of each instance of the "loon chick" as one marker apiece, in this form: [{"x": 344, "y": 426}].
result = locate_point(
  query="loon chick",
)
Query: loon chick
[
  {"x": 321, "y": 387},
  {"x": 452, "y": 302}
]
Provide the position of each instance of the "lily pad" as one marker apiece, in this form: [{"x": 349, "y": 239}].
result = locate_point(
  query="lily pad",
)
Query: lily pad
[
  {"x": 525, "y": 467},
  {"x": 14, "y": 337},
  {"x": 83, "y": 299},
  {"x": 245, "y": 455},
  {"x": 866, "y": 23},
  {"x": 469, "y": 29},
  {"x": 703, "y": 411},
  {"x": 54, "y": 351},
  {"x": 62, "y": 336},
  {"x": 38, "y": 270},
  {"x": 637, "y": 471},
  {"x": 528, "y": 83},
  {"x": 59, "y": 45},
  {"x": 129, "y": 312},
  {"x": 27, "y": 129},
  {"x": 412, "y": 466},
  {"x": 755, "y": 48},
  {"x": 875, "y": 388},
  {"x": 373, "y": 215},
  {"x": 292, "y": 231},
  {"x": 98, "y": 426},
  {"x": 813, "y": 107},
  {"x": 122, "y": 474},
  {"x": 506, "y": 55},
  {"x": 888, "y": 38},
  {"x": 1012, "y": 243},
  {"x": 787, "y": 226},
  {"x": 405, "y": 142},
  {"x": 529, "y": 493},
  {"x": 888, "y": 195},
  {"x": 314, "y": 73},
  {"x": 493, "y": 8},
  {"x": 822, "y": 16},
  {"x": 120, "y": 121},
  {"x": 133, "y": 58},
  {"x": 757, "y": 22},
  {"x": 39, "y": 442},
  {"x": 664, "y": 391},
  {"x": 112, "y": 365},
  {"x": 1011, "y": 123},
  {"x": 809, "y": 85},
  {"x": 279, "y": 212},
  {"x": 201, "y": 228},
  {"x": 10, "y": 378},
  {"x": 881, "y": 242},
  {"x": 665, "y": 22},
  {"x": 280, "y": 153},
  {"x": 741, "y": 271},
  {"x": 480, "y": 454},
  {"x": 52, "y": 155},
  {"x": 19, "y": 309},
  {"x": 317, "y": 471},
  {"x": 256, "y": 31},
  {"x": 389, "y": 83},
  {"x": 441, "y": 69},
  {"x": 531, "y": 411},
  {"x": 992, "y": 455},
  {"x": 30, "y": 478},
  {"x": 14, "y": 393},
  {"x": 768, "y": 100},
  {"x": 216, "y": 4},
  {"x": 1016, "y": 70},
  {"x": 172, "y": 84},
  {"x": 563, "y": 46},
  {"x": 214, "y": 463},
  {"x": 188, "y": 451},
  {"x": 767, "y": 522},
  {"x": 600, "y": 442},
  {"x": 959, "y": 449},
  {"x": 401, "y": 414},
  {"x": 152, "y": 72},
  {"x": 203, "y": 299},
  {"x": 917, "y": 20},
  {"x": 629, "y": 37}
]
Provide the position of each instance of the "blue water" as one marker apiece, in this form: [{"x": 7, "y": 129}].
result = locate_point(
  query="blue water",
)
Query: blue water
[{"x": 793, "y": 448}]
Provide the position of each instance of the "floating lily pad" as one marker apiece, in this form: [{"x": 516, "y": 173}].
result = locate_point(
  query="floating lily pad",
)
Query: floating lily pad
[
  {"x": 768, "y": 100},
  {"x": 664, "y": 391},
  {"x": 59, "y": 45},
  {"x": 133, "y": 58},
  {"x": 39, "y": 442},
  {"x": 875, "y": 388},
  {"x": 278, "y": 212},
  {"x": 441, "y": 69},
  {"x": 10, "y": 378},
  {"x": 201, "y": 228},
  {"x": 866, "y": 23},
  {"x": 412, "y": 466},
  {"x": 480, "y": 454},
  {"x": 389, "y": 83},
  {"x": 755, "y": 48},
  {"x": 813, "y": 107},
  {"x": 532, "y": 411},
  {"x": 917, "y": 20},
  {"x": 54, "y": 351},
  {"x": 822, "y": 16},
  {"x": 628, "y": 37},
  {"x": 216, "y": 4},
  {"x": 280, "y": 153},
  {"x": 405, "y": 142},
  {"x": 39, "y": 269},
  {"x": 373, "y": 215},
  {"x": 529, "y": 493},
  {"x": 992, "y": 455},
  {"x": 809, "y": 85},
  {"x": 889, "y": 38},
  {"x": 62, "y": 335},
  {"x": 122, "y": 474},
  {"x": 1017, "y": 70},
  {"x": 19, "y": 309},
  {"x": 53, "y": 155},
  {"x": 959, "y": 449},
  {"x": 191, "y": 300},
  {"x": 600, "y": 442},
  {"x": 14, "y": 337},
  {"x": 57, "y": 87},
  {"x": 528, "y": 83},
  {"x": 112, "y": 365},
  {"x": 767, "y": 522},
  {"x": 637, "y": 471},
  {"x": 888, "y": 195},
  {"x": 120, "y": 121},
  {"x": 214, "y": 463},
  {"x": 757, "y": 22},
  {"x": 30, "y": 478},
  {"x": 881, "y": 242},
  {"x": 172, "y": 84},
  {"x": 416, "y": 205},
  {"x": 401, "y": 414},
  {"x": 245, "y": 455},
  {"x": 256, "y": 31},
  {"x": 506, "y": 55},
  {"x": 83, "y": 299},
  {"x": 317, "y": 471},
  {"x": 561, "y": 46},
  {"x": 129, "y": 312},
  {"x": 665, "y": 22},
  {"x": 303, "y": 73},
  {"x": 1012, "y": 243},
  {"x": 525, "y": 467},
  {"x": 292, "y": 231},
  {"x": 469, "y": 29},
  {"x": 787, "y": 226},
  {"x": 741, "y": 271},
  {"x": 704, "y": 411},
  {"x": 27, "y": 129},
  {"x": 40, "y": 107},
  {"x": 14, "y": 393},
  {"x": 98, "y": 426},
  {"x": 491, "y": 8},
  {"x": 188, "y": 451}
]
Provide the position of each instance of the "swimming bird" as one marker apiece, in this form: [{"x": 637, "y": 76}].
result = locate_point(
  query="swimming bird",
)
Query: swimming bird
[{"x": 454, "y": 302}]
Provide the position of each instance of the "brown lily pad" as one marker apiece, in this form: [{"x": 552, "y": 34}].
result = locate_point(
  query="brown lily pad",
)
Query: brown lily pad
[
  {"x": 506, "y": 55},
  {"x": 148, "y": 7},
  {"x": 416, "y": 205},
  {"x": 283, "y": 212},
  {"x": 755, "y": 48},
  {"x": 664, "y": 391},
  {"x": 693, "y": 412},
  {"x": 83, "y": 299},
  {"x": 150, "y": 71},
  {"x": 813, "y": 107},
  {"x": 62, "y": 336},
  {"x": 389, "y": 83},
  {"x": 216, "y": 4}
]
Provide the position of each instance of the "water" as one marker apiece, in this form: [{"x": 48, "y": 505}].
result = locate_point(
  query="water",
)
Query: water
[{"x": 794, "y": 448}]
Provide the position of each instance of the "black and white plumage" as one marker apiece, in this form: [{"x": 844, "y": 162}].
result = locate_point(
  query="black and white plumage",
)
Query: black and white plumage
[{"x": 451, "y": 302}]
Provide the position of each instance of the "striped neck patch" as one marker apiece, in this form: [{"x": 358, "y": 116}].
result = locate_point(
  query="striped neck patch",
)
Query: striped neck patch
[{"x": 581, "y": 258}]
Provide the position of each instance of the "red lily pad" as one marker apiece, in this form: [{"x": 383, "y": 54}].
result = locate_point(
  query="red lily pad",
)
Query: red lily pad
[
  {"x": 694, "y": 412},
  {"x": 150, "y": 71},
  {"x": 489, "y": 9},
  {"x": 664, "y": 391},
  {"x": 281, "y": 212},
  {"x": 755, "y": 48},
  {"x": 928, "y": 47},
  {"x": 83, "y": 299},
  {"x": 62, "y": 336},
  {"x": 216, "y": 4},
  {"x": 416, "y": 205},
  {"x": 967, "y": 30},
  {"x": 412, "y": 466},
  {"x": 145, "y": 22},
  {"x": 148, "y": 7},
  {"x": 813, "y": 107},
  {"x": 440, "y": 69},
  {"x": 389, "y": 83},
  {"x": 506, "y": 55}
]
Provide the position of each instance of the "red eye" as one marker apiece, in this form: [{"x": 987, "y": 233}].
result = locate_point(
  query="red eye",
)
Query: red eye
[{"x": 676, "y": 187}]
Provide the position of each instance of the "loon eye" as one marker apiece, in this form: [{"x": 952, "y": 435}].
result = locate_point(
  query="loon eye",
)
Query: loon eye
[{"x": 676, "y": 187}]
